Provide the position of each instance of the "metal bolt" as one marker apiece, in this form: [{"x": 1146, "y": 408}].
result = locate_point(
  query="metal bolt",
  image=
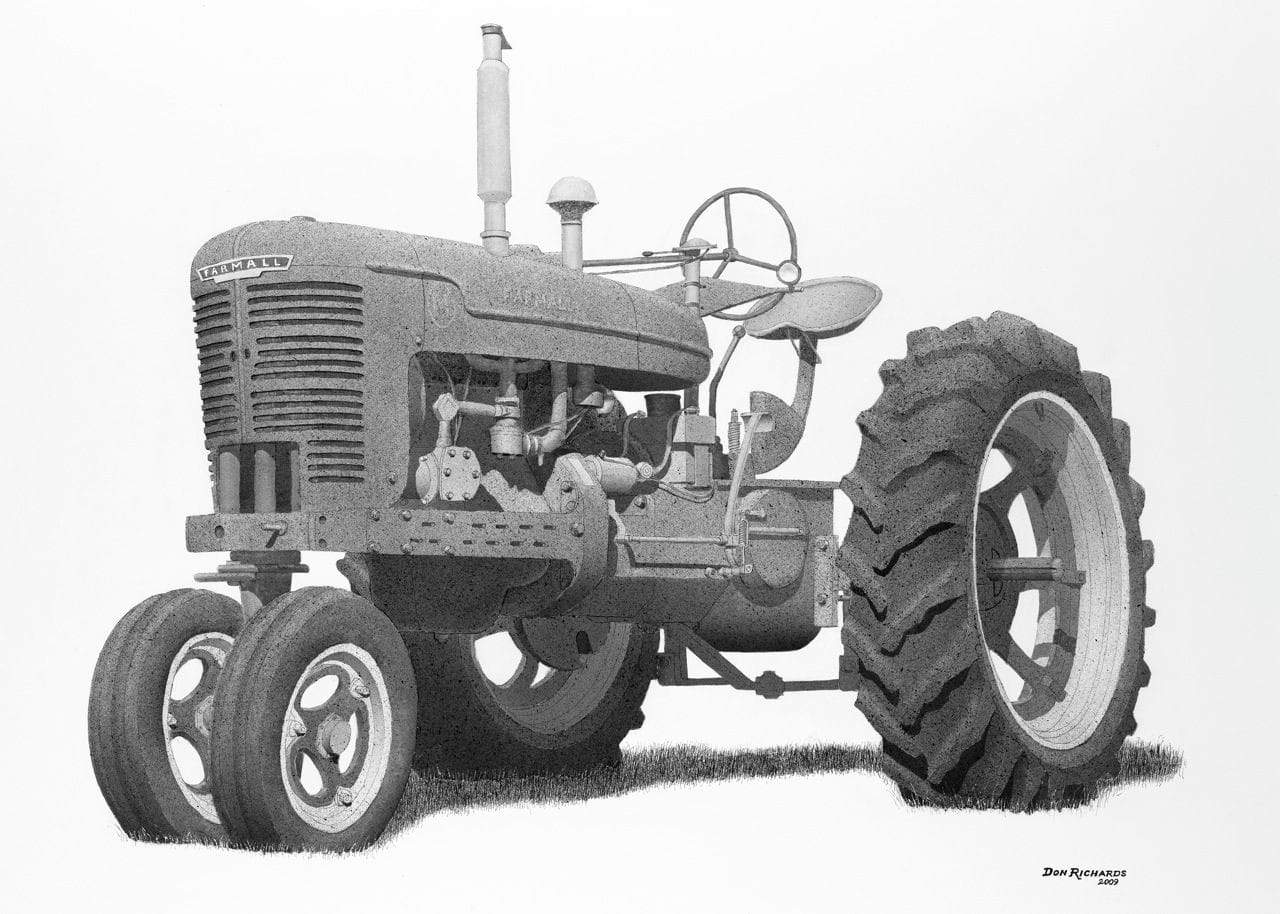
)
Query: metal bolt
[
  {"x": 344, "y": 796},
  {"x": 171, "y": 721},
  {"x": 448, "y": 550},
  {"x": 373, "y": 547},
  {"x": 375, "y": 515},
  {"x": 642, "y": 502},
  {"x": 566, "y": 485},
  {"x": 391, "y": 480},
  {"x": 577, "y": 529},
  {"x": 448, "y": 518},
  {"x": 453, "y": 452},
  {"x": 466, "y": 453},
  {"x": 448, "y": 471},
  {"x": 406, "y": 548},
  {"x": 823, "y": 545},
  {"x": 299, "y": 728},
  {"x": 475, "y": 474},
  {"x": 358, "y": 688},
  {"x": 822, "y": 599},
  {"x": 405, "y": 515},
  {"x": 448, "y": 496}
]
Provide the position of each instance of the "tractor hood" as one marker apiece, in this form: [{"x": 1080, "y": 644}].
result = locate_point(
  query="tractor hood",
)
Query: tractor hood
[{"x": 448, "y": 296}]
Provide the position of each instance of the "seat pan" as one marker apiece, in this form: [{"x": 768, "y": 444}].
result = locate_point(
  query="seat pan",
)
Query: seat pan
[{"x": 819, "y": 308}]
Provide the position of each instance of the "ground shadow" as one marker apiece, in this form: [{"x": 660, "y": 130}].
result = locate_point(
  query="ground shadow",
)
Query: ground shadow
[{"x": 683, "y": 764}]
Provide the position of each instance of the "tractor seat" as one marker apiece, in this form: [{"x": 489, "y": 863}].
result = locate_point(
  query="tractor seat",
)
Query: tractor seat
[{"x": 818, "y": 308}]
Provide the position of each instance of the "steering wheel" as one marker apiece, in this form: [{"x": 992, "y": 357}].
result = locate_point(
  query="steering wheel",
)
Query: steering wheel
[{"x": 787, "y": 271}]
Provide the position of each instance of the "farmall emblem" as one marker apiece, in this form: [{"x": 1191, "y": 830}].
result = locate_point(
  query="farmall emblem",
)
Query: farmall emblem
[{"x": 244, "y": 267}]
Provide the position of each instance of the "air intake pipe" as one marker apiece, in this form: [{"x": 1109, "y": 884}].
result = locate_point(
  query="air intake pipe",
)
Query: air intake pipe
[{"x": 493, "y": 140}]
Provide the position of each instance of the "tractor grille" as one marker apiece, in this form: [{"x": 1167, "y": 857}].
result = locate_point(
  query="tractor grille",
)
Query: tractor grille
[
  {"x": 215, "y": 345},
  {"x": 307, "y": 376}
]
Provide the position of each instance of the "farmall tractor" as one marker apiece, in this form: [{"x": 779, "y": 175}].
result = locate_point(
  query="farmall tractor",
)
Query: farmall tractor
[{"x": 447, "y": 416}]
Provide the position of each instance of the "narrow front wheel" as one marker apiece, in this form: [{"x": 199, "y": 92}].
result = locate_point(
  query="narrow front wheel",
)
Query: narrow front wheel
[
  {"x": 314, "y": 726},
  {"x": 150, "y": 711}
]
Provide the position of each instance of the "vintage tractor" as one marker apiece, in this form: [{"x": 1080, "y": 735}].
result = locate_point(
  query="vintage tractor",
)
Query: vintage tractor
[{"x": 447, "y": 416}]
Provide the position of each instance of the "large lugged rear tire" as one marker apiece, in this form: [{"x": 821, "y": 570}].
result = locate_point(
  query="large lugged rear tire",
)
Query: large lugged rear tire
[
  {"x": 538, "y": 720},
  {"x": 565, "y": 704},
  {"x": 935, "y": 571}
]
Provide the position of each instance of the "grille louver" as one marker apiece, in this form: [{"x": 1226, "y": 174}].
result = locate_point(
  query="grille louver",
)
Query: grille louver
[
  {"x": 308, "y": 372},
  {"x": 215, "y": 346}
]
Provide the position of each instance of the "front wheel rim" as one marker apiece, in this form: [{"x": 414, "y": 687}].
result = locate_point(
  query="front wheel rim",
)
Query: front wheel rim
[
  {"x": 1070, "y": 671},
  {"x": 344, "y": 738},
  {"x": 189, "y": 717}
]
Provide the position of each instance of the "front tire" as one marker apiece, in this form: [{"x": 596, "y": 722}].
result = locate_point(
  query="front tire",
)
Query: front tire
[
  {"x": 148, "y": 734},
  {"x": 314, "y": 724},
  {"x": 969, "y": 710}
]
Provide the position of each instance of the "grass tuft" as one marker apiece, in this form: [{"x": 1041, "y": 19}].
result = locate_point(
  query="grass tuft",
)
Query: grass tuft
[{"x": 432, "y": 794}]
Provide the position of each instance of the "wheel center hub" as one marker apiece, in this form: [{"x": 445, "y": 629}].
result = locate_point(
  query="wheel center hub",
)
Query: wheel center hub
[
  {"x": 562, "y": 644},
  {"x": 334, "y": 736},
  {"x": 997, "y": 600},
  {"x": 204, "y": 715}
]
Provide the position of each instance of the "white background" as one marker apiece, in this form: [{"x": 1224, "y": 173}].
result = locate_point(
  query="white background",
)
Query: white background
[{"x": 1107, "y": 170}]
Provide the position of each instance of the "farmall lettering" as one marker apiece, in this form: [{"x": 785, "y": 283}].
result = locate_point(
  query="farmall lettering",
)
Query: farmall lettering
[
  {"x": 533, "y": 301},
  {"x": 478, "y": 474},
  {"x": 244, "y": 267}
]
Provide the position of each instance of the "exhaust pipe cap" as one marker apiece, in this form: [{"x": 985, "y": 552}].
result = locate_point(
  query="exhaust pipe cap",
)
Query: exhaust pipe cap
[{"x": 492, "y": 28}]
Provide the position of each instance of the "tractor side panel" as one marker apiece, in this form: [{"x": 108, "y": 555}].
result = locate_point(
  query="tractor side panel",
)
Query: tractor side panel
[
  {"x": 668, "y": 582},
  {"x": 765, "y": 619}
]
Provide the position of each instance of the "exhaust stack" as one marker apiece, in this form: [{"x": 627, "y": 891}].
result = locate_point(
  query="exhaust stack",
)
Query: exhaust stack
[{"x": 493, "y": 140}]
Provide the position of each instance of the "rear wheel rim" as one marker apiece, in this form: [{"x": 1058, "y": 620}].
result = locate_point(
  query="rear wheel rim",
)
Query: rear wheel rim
[
  {"x": 549, "y": 701},
  {"x": 334, "y": 752},
  {"x": 187, "y": 718},
  {"x": 1070, "y": 669}
]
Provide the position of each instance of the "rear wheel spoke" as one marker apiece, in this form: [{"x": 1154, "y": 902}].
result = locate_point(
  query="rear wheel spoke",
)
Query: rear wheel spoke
[
  {"x": 525, "y": 675},
  {"x": 999, "y": 498},
  {"x": 1036, "y": 677}
]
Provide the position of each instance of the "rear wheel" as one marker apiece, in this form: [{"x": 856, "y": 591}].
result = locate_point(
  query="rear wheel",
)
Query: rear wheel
[
  {"x": 536, "y": 696},
  {"x": 997, "y": 569},
  {"x": 151, "y": 709}
]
